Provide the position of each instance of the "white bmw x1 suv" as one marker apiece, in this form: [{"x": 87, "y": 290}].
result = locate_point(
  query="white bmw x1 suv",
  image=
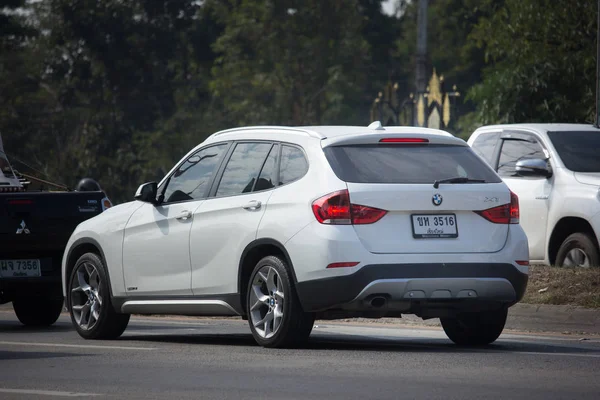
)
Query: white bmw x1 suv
[{"x": 282, "y": 225}]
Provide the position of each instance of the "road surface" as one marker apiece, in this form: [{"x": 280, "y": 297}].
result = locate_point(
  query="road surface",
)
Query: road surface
[{"x": 179, "y": 358}]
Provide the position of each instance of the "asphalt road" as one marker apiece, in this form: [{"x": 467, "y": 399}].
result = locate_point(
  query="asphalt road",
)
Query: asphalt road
[{"x": 164, "y": 358}]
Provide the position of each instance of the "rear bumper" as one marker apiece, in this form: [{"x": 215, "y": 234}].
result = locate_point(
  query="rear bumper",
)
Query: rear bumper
[{"x": 414, "y": 288}]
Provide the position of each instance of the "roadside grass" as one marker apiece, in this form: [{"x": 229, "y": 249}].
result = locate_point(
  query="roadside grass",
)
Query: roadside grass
[{"x": 563, "y": 286}]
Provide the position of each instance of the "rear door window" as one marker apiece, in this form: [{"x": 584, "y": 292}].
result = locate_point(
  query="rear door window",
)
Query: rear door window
[
  {"x": 267, "y": 178},
  {"x": 485, "y": 146},
  {"x": 242, "y": 169},
  {"x": 406, "y": 164}
]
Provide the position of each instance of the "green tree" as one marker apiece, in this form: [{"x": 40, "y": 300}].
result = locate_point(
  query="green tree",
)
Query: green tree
[
  {"x": 290, "y": 62},
  {"x": 541, "y": 57},
  {"x": 121, "y": 90}
]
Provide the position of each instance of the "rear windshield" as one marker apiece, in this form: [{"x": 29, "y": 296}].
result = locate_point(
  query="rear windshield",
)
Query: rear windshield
[{"x": 406, "y": 163}]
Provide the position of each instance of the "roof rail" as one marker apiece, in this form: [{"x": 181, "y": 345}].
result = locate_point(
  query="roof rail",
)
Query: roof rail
[{"x": 270, "y": 128}]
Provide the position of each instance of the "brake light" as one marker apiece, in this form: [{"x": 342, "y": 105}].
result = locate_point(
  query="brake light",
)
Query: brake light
[
  {"x": 335, "y": 209},
  {"x": 504, "y": 214},
  {"x": 404, "y": 140}
]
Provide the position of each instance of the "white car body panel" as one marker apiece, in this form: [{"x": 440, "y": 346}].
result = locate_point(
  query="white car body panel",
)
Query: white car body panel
[
  {"x": 221, "y": 229},
  {"x": 156, "y": 250}
]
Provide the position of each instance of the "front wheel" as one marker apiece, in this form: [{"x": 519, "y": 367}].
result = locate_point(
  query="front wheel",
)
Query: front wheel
[
  {"x": 38, "y": 311},
  {"x": 88, "y": 299},
  {"x": 478, "y": 328},
  {"x": 275, "y": 315}
]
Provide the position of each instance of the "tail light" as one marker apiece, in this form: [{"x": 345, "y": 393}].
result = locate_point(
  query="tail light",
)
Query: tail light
[
  {"x": 335, "y": 209},
  {"x": 504, "y": 214},
  {"x": 20, "y": 202}
]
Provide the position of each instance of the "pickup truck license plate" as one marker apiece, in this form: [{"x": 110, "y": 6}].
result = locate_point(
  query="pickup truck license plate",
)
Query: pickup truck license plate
[
  {"x": 433, "y": 226},
  {"x": 19, "y": 268}
]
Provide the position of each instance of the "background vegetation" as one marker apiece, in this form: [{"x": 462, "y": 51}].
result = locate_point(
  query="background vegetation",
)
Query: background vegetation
[{"x": 120, "y": 90}]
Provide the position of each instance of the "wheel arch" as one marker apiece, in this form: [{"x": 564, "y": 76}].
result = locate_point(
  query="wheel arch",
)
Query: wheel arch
[
  {"x": 565, "y": 227},
  {"x": 251, "y": 255},
  {"x": 79, "y": 248}
]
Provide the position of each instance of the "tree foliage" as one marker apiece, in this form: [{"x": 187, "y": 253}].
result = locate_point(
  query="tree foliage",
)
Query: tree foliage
[
  {"x": 289, "y": 62},
  {"x": 541, "y": 62},
  {"x": 120, "y": 90}
]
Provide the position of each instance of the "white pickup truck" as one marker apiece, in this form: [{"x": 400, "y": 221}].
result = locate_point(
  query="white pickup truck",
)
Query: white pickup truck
[{"x": 554, "y": 169}]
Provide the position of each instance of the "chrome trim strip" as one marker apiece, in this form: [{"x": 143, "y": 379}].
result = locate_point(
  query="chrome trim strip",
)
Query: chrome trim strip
[{"x": 177, "y": 306}]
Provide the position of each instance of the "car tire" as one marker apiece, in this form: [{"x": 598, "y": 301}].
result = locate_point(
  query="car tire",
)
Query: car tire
[
  {"x": 475, "y": 329},
  {"x": 578, "y": 250},
  {"x": 38, "y": 310},
  {"x": 89, "y": 301},
  {"x": 275, "y": 315}
]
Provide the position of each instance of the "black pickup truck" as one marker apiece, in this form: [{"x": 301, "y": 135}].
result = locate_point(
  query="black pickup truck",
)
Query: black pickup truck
[{"x": 34, "y": 229}]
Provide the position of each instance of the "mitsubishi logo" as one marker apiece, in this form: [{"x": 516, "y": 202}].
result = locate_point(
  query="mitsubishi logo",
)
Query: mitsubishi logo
[{"x": 23, "y": 229}]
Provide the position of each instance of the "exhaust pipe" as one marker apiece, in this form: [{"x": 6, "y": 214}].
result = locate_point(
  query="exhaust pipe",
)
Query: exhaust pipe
[{"x": 378, "y": 302}]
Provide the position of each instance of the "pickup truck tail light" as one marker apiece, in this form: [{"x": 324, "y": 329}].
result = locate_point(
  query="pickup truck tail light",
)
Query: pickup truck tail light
[{"x": 106, "y": 204}]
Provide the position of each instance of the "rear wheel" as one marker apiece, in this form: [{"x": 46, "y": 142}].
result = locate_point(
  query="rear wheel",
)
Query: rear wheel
[
  {"x": 479, "y": 328},
  {"x": 88, "y": 299},
  {"x": 275, "y": 315},
  {"x": 39, "y": 310},
  {"x": 578, "y": 250}
]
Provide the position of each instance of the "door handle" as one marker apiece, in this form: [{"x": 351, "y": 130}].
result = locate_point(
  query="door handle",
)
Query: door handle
[
  {"x": 184, "y": 215},
  {"x": 253, "y": 205}
]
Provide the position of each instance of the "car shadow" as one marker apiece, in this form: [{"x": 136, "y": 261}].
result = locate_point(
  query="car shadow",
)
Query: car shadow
[
  {"x": 17, "y": 327},
  {"x": 329, "y": 342},
  {"x": 36, "y": 355}
]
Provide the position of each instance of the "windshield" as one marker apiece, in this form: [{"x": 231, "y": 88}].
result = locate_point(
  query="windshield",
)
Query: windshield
[
  {"x": 406, "y": 164},
  {"x": 578, "y": 150}
]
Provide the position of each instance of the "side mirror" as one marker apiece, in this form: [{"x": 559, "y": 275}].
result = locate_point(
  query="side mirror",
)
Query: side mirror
[
  {"x": 534, "y": 167},
  {"x": 147, "y": 192}
]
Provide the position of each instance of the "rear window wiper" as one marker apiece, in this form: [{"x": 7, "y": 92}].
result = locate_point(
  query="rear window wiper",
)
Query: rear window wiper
[{"x": 458, "y": 179}]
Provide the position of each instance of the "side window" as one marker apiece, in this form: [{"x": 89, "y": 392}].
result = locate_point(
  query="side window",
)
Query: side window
[
  {"x": 293, "y": 164},
  {"x": 243, "y": 168},
  {"x": 484, "y": 146},
  {"x": 190, "y": 181},
  {"x": 266, "y": 179},
  {"x": 515, "y": 150}
]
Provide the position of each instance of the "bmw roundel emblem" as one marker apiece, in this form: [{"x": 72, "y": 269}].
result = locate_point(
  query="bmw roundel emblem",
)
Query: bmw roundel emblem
[{"x": 437, "y": 199}]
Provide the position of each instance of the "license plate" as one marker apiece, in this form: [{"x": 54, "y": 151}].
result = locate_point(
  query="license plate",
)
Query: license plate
[
  {"x": 433, "y": 226},
  {"x": 19, "y": 268}
]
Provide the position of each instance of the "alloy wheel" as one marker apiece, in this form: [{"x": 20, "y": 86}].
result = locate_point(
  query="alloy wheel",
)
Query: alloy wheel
[
  {"x": 86, "y": 298},
  {"x": 266, "y": 302},
  {"x": 576, "y": 258}
]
